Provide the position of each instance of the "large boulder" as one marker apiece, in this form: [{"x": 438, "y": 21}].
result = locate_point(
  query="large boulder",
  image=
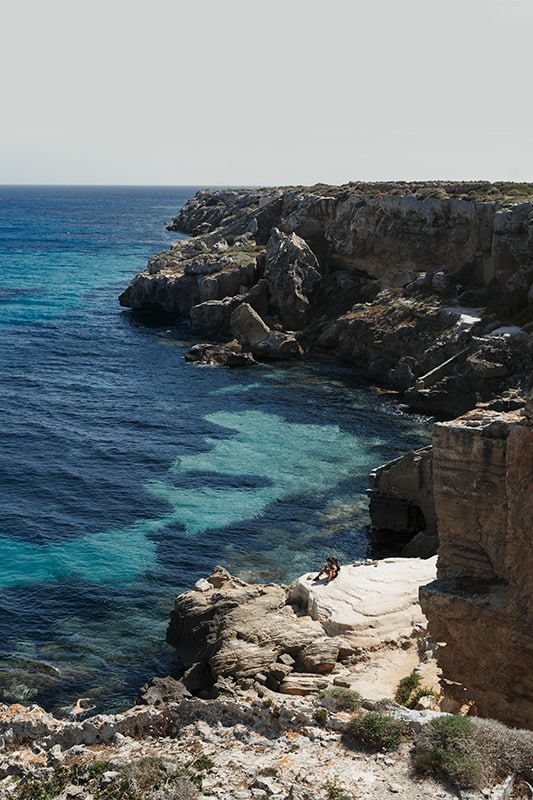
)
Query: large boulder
[
  {"x": 161, "y": 691},
  {"x": 253, "y": 333},
  {"x": 293, "y": 275},
  {"x": 237, "y": 629},
  {"x": 214, "y": 315},
  {"x": 278, "y": 346},
  {"x": 247, "y": 326}
]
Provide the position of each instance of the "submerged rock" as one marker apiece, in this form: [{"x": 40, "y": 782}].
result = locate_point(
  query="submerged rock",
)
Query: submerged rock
[{"x": 220, "y": 355}]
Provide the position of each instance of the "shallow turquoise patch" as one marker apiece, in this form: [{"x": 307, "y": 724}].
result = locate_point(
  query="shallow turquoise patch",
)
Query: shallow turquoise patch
[
  {"x": 290, "y": 458},
  {"x": 116, "y": 555},
  {"x": 294, "y": 458}
]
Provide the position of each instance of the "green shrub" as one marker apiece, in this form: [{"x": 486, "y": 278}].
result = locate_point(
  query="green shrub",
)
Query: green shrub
[
  {"x": 338, "y": 698},
  {"x": 406, "y": 687},
  {"x": 320, "y": 715},
  {"x": 384, "y": 704},
  {"x": 377, "y": 731},
  {"x": 202, "y": 764},
  {"x": 473, "y": 752},
  {"x": 502, "y": 750},
  {"x": 335, "y": 791},
  {"x": 446, "y": 746},
  {"x": 182, "y": 789},
  {"x": 269, "y": 772}
]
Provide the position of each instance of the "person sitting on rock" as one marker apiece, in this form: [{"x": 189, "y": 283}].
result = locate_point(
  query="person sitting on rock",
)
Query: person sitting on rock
[{"x": 330, "y": 570}]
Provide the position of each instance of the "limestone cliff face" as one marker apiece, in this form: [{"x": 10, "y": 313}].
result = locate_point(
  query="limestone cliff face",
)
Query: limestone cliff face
[
  {"x": 402, "y": 508},
  {"x": 481, "y": 605},
  {"x": 390, "y": 230}
]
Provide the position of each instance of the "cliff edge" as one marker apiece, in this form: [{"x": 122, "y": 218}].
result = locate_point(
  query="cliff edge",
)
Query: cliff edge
[
  {"x": 481, "y": 605},
  {"x": 427, "y": 286}
]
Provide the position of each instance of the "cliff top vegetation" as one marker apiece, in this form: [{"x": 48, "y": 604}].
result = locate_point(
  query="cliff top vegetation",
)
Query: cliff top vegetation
[{"x": 501, "y": 191}]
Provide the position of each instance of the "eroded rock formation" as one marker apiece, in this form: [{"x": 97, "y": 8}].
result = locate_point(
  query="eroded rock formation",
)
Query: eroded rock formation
[
  {"x": 402, "y": 508},
  {"x": 304, "y": 638},
  {"x": 374, "y": 274},
  {"x": 389, "y": 230},
  {"x": 481, "y": 605}
]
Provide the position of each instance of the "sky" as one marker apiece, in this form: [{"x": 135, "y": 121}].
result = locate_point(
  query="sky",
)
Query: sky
[{"x": 264, "y": 92}]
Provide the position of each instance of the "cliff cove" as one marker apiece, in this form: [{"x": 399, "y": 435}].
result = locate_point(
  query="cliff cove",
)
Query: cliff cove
[
  {"x": 419, "y": 291},
  {"x": 119, "y": 459},
  {"x": 429, "y": 288}
]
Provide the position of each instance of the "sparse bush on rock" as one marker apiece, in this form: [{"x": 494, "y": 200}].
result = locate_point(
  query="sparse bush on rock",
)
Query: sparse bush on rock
[
  {"x": 339, "y": 698},
  {"x": 473, "y": 753},
  {"x": 409, "y": 690},
  {"x": 146, "y": 779},
  {"x": 406, "y": 687},
  {"x": 377, "y": 731}
]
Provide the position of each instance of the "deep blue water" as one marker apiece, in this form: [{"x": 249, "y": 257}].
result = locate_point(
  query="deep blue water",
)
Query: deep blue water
[{"x": 127, "y": 473}]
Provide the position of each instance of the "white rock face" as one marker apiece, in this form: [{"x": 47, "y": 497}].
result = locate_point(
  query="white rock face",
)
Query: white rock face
[
  {"x": 331, "y": 632},
  {"x": 367, "y": 604}
]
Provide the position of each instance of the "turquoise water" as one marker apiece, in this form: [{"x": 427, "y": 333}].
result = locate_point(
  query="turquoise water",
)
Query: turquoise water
[{"x": 127, "y": 473}]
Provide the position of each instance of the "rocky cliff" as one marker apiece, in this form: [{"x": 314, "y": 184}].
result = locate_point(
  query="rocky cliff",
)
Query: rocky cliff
[
  {"x": 375, "y": 274},
  {"x": 429, "y": 287},
  {"x": 481, "y": 605},
  {"x": 392, "y": 231}
]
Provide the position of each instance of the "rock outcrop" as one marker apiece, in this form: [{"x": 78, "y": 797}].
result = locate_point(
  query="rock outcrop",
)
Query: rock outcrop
[
  {"x": 246, "y": 746},
  {"x": 304, "y": 638},
  {"x": 374, "y": 274},
  {"x": 481, "y": 605},
  {"x": 390, "y": 230},
  {"x": 220, "y": 355},
  {"x": 195, "y": 271},
  {"x": 252, "y": 332},
  {"x": 292, "y": 273}
]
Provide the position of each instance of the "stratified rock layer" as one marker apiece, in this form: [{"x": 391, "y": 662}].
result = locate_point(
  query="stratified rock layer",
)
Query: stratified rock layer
[
  {"x": 301, "y": 639},
  {"x": 481, "y": 605},
  {"x": 390, "y": 230}
]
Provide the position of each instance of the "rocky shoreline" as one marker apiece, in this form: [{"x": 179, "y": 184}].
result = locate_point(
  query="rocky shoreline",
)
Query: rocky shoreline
[
  {"x": 428, "y": 287},
  {"x": 281, "y": 696}
]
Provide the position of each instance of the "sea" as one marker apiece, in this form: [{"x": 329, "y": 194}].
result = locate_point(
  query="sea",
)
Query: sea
[{"x": 126, "y": 473}]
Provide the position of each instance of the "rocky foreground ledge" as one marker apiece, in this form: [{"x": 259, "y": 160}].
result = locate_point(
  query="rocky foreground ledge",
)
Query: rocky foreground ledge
[
  {"x": 297, "y": 679},
  {"x": 305, "y": 638},
  {"x": 428, "y": 286}
]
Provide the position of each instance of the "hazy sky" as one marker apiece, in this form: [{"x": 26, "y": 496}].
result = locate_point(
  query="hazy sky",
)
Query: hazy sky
[{"x": 265, "y": 91}]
